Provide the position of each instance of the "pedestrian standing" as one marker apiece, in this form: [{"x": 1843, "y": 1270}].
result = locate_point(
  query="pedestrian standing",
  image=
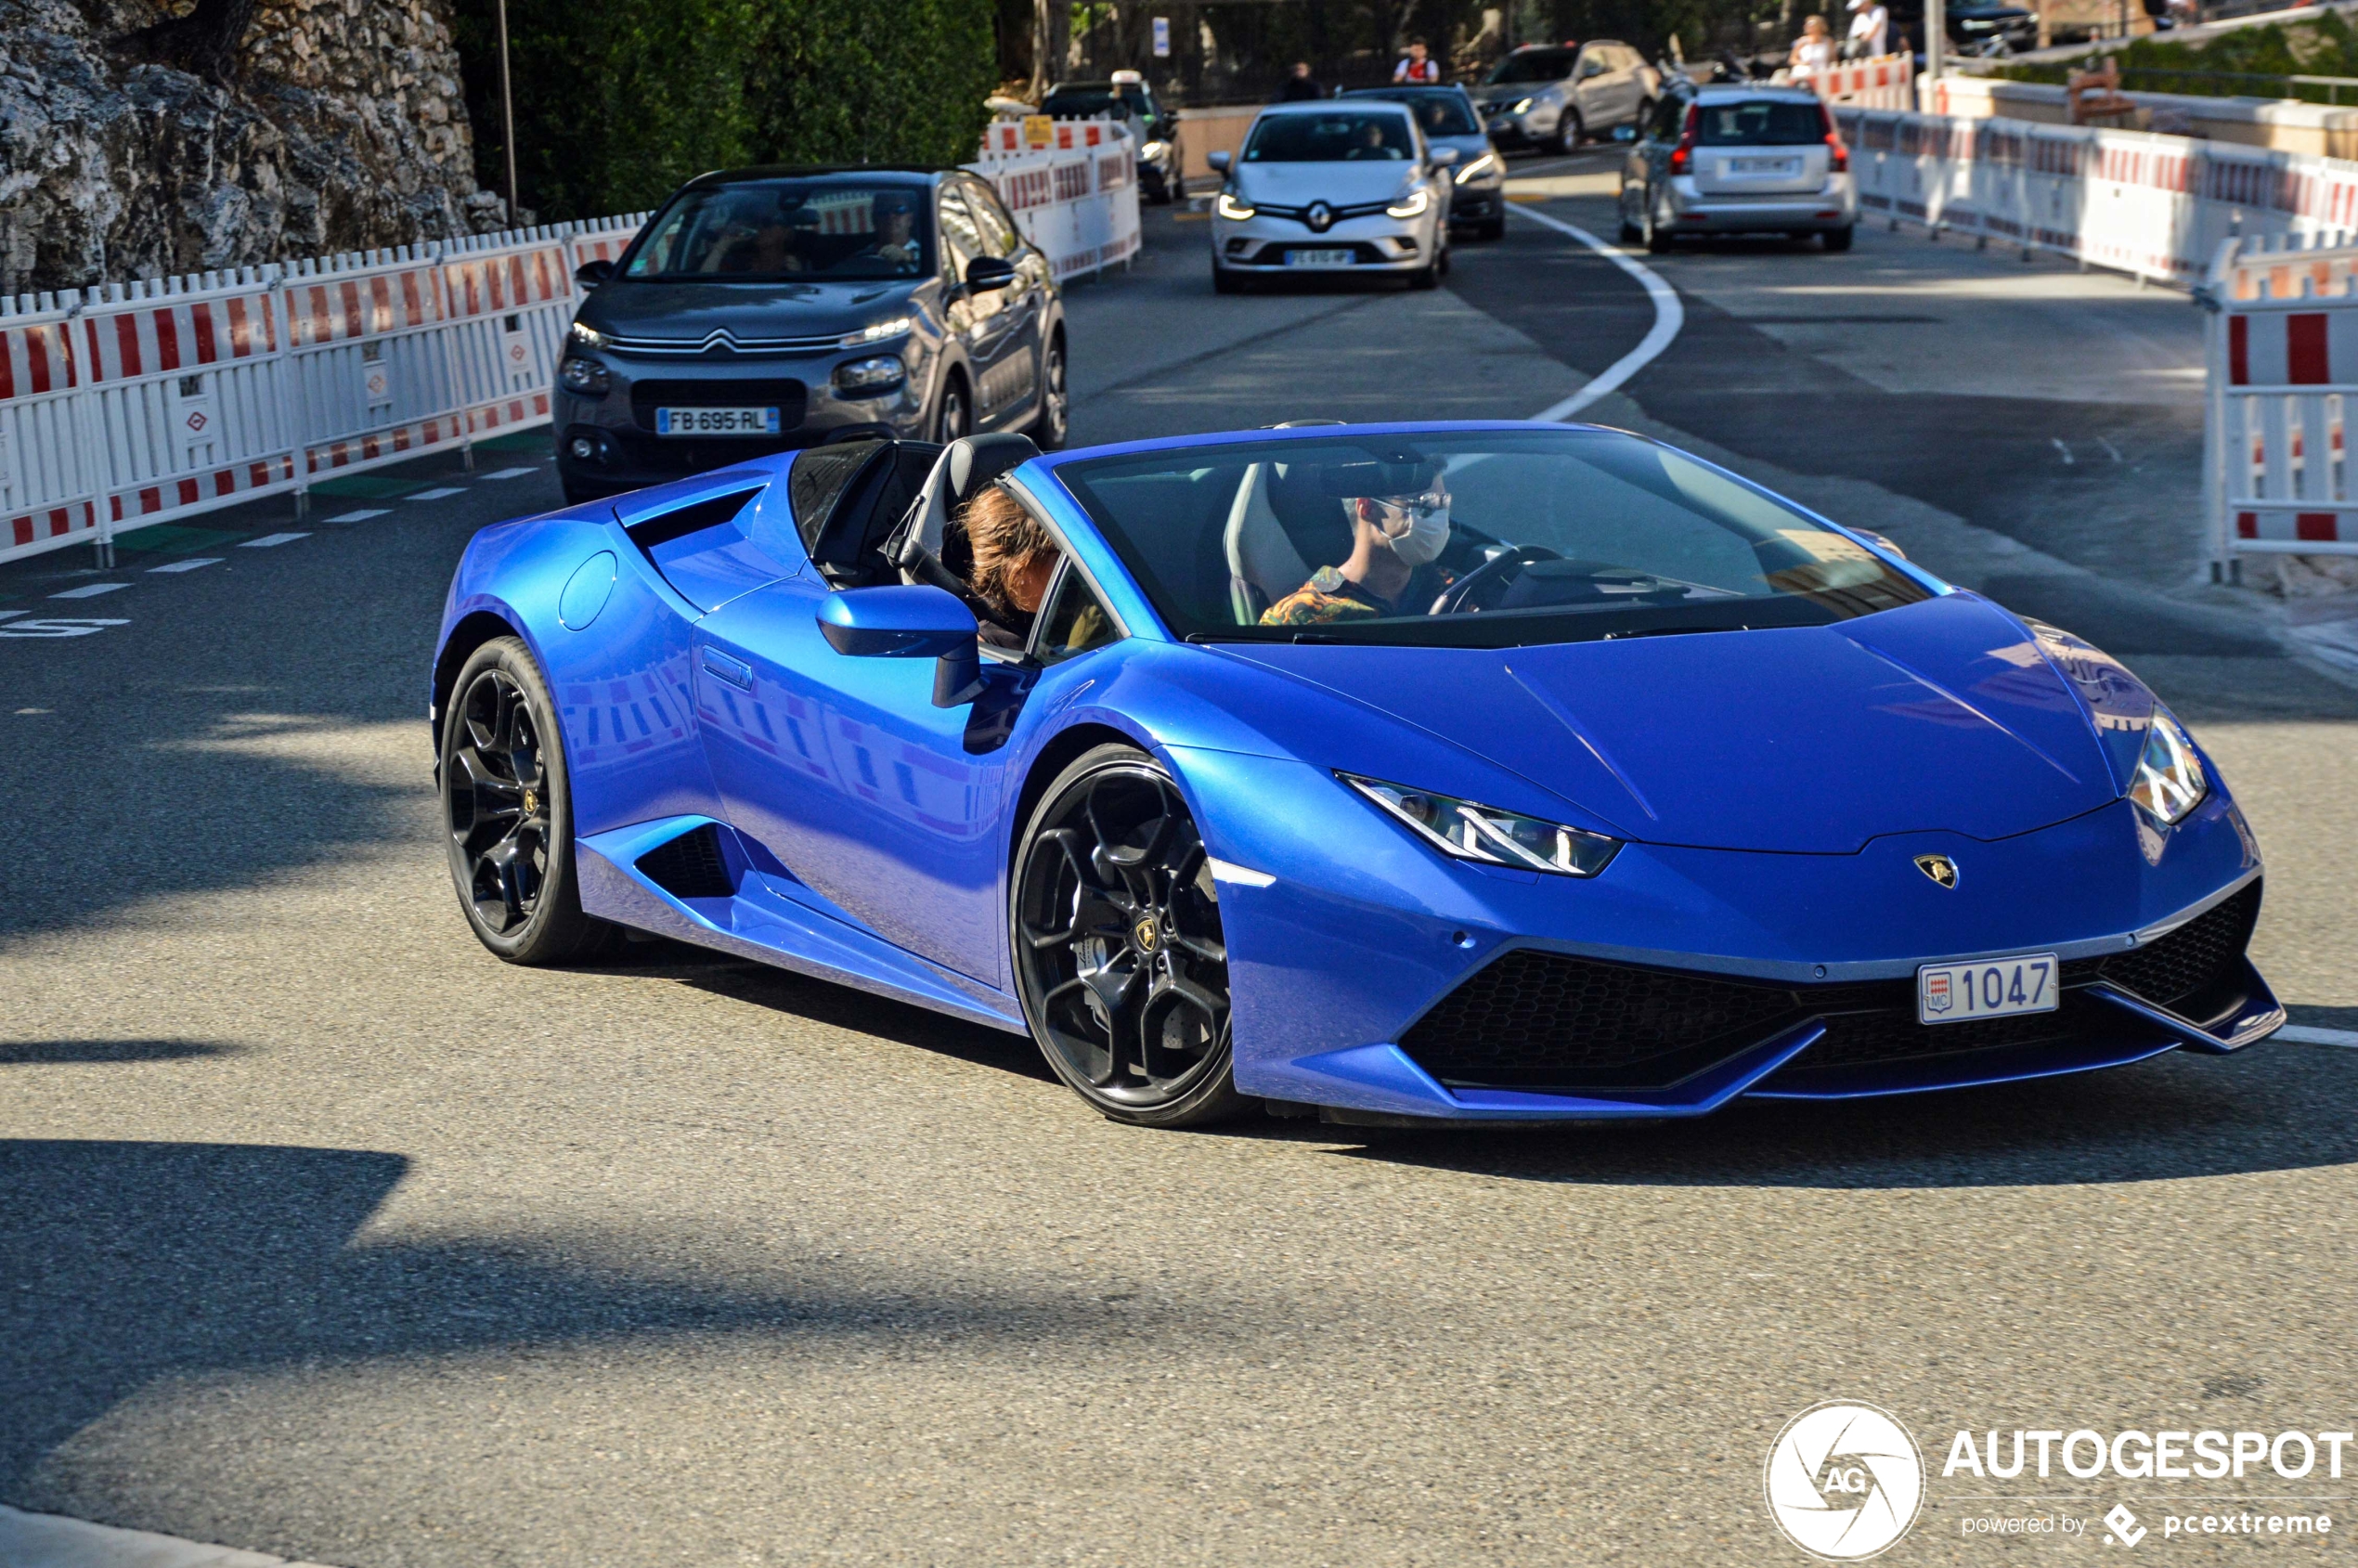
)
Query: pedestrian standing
[
  {"x": 1301, "y": 88},
  {"x": 1870, "y": 30},
  {"x": 1812, "y": 52},
  {"x": 1417, "y": 67}
]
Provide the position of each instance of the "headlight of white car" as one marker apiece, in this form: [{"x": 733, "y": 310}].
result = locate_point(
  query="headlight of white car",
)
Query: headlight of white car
[
  {"x": 2170, "y": 782},
  {"x": 1520, "y": 104},
  {"x": 1411, "y": 205},
  {"x": 1230, "y": 208},
  {"x": 1470, "y": 832},
  {"x": 1485, "y": 164}
]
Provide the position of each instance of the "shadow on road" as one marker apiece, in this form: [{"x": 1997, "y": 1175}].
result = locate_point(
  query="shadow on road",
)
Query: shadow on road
[{"x": 61, "y": 1053}]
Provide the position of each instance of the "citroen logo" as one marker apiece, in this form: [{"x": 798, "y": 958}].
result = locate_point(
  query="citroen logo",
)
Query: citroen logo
[
  {"x": 1147, "y": 933},
  {"x": 1320, "y": 217},
  {"x": 720, "y": 343},
  {"x": 1940, "y": 868}
]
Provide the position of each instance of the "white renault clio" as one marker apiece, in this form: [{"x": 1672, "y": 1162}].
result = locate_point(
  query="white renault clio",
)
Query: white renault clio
[{"x": 1340, "y": 186}]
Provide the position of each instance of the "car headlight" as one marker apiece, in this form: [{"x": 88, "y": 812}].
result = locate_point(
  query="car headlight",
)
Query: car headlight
[
  {"x": 1230, "y": 208},
  {"x": 870, "y": 378},
  {"x": 2169, "y": 781},
  {"x": 586, "y": 337},
  {"x": 1486, "y": 163},
  {"x": 1153, "y": 151},
  {"x": 1485, "y": 834},
  {"x": 1412, "y": 205},
  {"x": 877, "y": 332},
  {"x": 585, "y": 376},
  {"x": 1520, "y": 104}
]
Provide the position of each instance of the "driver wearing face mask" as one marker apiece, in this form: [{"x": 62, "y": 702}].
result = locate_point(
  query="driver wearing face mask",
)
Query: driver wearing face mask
[{"x": 1397, "y": 534}]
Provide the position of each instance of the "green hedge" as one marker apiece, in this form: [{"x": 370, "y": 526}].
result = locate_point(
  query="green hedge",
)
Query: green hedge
[
  {"x": 618, "y": 101},
  {"x": 2248, "y": 62}
]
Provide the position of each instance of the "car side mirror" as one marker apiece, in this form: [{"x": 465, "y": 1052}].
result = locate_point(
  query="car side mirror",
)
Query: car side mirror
[
  {"x": 908, "y": 622},
  {"x": 1442, "y": 157},
  {"x": 590, "y": 274},
  {"x": 1219, "y": 160},
  {"x": 985, "y": 273}
]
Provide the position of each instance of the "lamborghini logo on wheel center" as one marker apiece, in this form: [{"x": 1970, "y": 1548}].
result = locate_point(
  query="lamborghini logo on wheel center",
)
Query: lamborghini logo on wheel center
[
  {"x": 1147, "y": 933},
  {"x": 1940, "y": 868}
]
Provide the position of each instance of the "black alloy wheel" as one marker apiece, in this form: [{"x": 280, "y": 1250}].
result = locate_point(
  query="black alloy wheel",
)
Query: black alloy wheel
[
  {"x": 1120, "y": 959},
  {"x": 951, "y": 418},
  {"x": 1569, "y": 133},
  {"x": 509, "y": 812},
  {"x": 1055, "y": 401}
]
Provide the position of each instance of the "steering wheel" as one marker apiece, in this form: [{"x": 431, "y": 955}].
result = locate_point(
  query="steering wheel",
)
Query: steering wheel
[{"x": 1499, "y": 567}]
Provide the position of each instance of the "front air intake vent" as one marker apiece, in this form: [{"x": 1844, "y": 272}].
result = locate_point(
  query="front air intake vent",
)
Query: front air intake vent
[{"x": 691, "y": 866}]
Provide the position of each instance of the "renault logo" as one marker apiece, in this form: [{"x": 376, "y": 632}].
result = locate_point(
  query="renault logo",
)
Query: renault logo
[
  {"x": 1320, "y": 217},
  {"x": 1940, "y": 868}
]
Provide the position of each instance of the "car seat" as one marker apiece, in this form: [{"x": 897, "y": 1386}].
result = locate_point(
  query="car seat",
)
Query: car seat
[
  {"x": 1282, "y": 521},
  {"x": 930, "y": 544}
]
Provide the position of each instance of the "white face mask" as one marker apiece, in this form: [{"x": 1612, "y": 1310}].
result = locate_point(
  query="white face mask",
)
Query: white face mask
[{"x": 1416, "y": 529}]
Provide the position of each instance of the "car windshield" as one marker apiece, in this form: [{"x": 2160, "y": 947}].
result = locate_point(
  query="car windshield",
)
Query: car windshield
[
  {"x": 786, "y": 229},
  {"x": 1442, "y": 114},
  {"x": 1087, "y": 103},
  {"x": 1468, "y": 538},
  {"x": 1331, "y": 136},
  {"x": 1759, "y": 122},
  {"x": 1536, "y": 65}
]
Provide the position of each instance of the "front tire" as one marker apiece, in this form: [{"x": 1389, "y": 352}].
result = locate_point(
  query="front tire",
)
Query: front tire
[
  {"x": 1119, "y": 961},
  {"x": 1569, "y": 132},
  {"x": 507, "y": 804},
  {"x": 952, "y": 418}
]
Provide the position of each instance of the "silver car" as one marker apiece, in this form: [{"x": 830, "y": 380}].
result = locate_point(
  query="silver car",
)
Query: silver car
[
  {"x": 1478, "y": 181},
  {"x": 1340, "y": 186},
  {"x": 1738, "y": 159},
  {"x": 1550, "y": 96}
]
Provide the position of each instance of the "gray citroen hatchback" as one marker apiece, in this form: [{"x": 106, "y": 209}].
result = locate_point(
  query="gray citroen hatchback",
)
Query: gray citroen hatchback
[{"x": 763, "y": 309}]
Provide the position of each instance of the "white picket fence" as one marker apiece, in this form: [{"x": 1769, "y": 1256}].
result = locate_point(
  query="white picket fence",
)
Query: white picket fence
[
  {"x": 132, "y": 404},
  {"x": 2283, "y": 370}
]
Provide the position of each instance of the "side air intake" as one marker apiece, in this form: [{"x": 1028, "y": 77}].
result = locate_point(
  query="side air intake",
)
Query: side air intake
[{"x": 690, "y": 866}]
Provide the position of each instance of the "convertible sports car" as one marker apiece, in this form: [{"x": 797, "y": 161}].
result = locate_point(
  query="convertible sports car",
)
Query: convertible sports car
[{"x": 1432, "y": 774}]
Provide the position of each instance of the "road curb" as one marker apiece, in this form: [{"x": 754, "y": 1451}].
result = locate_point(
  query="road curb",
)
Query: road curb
[{"x": 51, "y": 1540}]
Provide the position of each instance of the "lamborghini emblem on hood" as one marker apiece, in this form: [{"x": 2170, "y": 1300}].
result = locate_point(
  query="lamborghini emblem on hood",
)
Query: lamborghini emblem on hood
[{"x": 1940, "y": 868}]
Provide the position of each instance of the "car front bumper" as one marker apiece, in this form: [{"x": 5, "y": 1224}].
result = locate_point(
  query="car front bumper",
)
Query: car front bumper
[
  {"x": 1834, "y": 206},
  {"x": 1766, "y": 975},
  {"x": 1379, "y": 244},
  {"x": 1478, "y": 204}
]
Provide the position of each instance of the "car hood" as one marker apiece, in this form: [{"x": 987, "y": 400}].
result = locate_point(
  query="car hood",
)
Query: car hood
[
  {"x": 1341, "y": 185},
  {"x": 1943, "y": 715},
  {"x": 688, "y": 311}
]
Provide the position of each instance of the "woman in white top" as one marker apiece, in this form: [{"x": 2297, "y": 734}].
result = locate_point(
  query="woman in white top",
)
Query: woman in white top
[{"x": 1812, "y": 52}]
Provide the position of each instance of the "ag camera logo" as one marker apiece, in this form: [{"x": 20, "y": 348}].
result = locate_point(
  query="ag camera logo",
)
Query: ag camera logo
[{"x": 1843, "y": 1480}]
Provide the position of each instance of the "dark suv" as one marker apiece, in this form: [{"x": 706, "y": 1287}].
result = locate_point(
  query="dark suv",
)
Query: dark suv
[{"x": 763, "y": 309}]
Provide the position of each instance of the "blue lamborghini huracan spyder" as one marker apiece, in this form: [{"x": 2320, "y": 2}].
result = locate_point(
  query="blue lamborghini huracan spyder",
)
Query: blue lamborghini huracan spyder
[{"x": 1432, "y": 774}]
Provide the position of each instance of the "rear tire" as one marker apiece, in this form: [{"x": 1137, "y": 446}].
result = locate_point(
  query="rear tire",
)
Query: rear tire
[
  {"x": 1837, "y": 239},
  {"x": 507, "y": 809},
  {"x": 1492, "y": 228},
  {"x": 1119, "y": 961}
]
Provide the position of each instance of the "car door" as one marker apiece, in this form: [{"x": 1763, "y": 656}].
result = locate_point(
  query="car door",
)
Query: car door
[
  {"x": 844, "y": 771},
  {"x": 1023, "y": 302},
  {"x": 989, "y": 321}
]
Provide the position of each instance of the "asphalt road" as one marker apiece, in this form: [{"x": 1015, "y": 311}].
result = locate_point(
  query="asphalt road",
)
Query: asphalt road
[{"x": 323, "y": 1233}]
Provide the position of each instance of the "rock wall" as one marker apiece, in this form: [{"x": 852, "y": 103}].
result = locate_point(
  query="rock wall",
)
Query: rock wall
[{"x": 343, "y": 128}]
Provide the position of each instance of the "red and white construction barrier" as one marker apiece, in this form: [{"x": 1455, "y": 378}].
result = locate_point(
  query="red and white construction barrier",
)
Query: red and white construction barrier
[
  {"x": 2283, "y": 364},
  {"x": 1885, "y": 82},
  {"x": 1075, "y": 198}
]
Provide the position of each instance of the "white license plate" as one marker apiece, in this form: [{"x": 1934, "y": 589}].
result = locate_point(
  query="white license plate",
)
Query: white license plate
[
  {"x": 1995, "y": 987},
  {"x": 1321, "y": 258},
  {"x": 717, "y": 422},
  {"x": 1764, "y": 165}
]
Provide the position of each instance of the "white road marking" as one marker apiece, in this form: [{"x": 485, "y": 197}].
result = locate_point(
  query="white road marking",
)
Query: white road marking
[
  {"x": 89, "y": 590},
  {"x": 268, "y": 541},
  {"x": 2111, "y": 450},
  {"x": 9, "y": 614},
  {"x": 55, "y": 628},
  {"x": 437, "y": 494},
  {"x": 509, "y": 474},
  {"x": 1669, "y": 316},
  {"x": 190, "y": 565},
  {"x": 2304, "y": 1034},
  {"x": 360, "y": 516}
]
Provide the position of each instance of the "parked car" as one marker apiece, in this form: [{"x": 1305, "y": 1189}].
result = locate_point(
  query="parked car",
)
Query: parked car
[
  {"x": 770, "y": 308},
  {"x": 1478, "y": 181},
  {"x": 1742, "y": 158},
  {"x": 1610, "y": 786},
  {"x": 1975, "y": 29},
  {"x": 1154, "y": 129},
  {"x": 1343, "y": 185},
  {"x": 1549, "y": 95}
]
